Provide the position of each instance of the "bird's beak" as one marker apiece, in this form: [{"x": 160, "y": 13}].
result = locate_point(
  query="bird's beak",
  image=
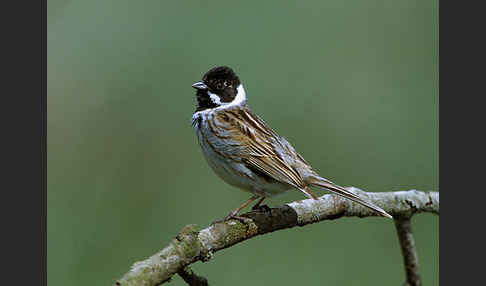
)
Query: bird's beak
[{"x": 200, "y": 85}]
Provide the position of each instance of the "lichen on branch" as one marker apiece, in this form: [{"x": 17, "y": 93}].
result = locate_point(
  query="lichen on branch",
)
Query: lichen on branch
[{"x": 192, "y": 245}]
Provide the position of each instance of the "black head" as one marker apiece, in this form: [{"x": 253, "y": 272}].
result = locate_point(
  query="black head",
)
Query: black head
[{"x": 219, "y": 86}]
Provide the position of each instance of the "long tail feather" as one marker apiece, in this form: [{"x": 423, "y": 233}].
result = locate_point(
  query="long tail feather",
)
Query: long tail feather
[
  {"x": 328, "y": 185},
  {"x": 308, "y": 193}
]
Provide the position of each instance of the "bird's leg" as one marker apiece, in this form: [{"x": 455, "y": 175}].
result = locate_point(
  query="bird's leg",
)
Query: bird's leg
[
  {"x": 257, "y": 205},
  {"x": 232, "y": 214},
  {"x": 243, "y": 205}
]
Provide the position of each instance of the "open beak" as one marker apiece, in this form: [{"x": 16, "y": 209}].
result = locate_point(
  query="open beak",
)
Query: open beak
[{"x": 200, "y": 85}]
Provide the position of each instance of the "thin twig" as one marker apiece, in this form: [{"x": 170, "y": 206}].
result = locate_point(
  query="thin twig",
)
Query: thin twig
[
  {"x": 192, "y": 245},
  {"x": 407, "y": 244},
  {"x": 191, "y": 278}
]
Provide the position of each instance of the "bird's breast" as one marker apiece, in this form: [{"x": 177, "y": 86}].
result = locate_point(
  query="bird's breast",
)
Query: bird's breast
[{"x": 223, "y": 153}]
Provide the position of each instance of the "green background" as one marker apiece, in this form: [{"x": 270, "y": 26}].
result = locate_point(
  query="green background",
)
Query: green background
[{"x": 353, "y": 85}]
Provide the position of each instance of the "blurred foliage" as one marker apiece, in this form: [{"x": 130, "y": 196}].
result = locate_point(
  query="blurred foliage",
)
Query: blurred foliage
[{"x": 353, "y": 85}]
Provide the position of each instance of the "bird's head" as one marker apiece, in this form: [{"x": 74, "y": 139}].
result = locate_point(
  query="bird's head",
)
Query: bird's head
[{"x": 219, "y": 87}]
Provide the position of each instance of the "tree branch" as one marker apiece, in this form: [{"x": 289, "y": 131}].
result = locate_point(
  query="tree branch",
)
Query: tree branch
[
  {"x": 191, "y": 278},
  {"x": 407, "y": 244},
  {"x": 192, "y": 245}
]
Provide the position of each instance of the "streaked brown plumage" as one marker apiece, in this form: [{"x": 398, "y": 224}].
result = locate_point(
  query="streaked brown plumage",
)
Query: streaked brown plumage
[{"x": 246, "y": 153}]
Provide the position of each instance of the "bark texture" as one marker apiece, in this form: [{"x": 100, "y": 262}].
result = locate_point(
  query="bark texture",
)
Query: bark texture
[
  {"x": 407, "y": 244},
  {"x": 191, "y": 278},
  {"x": 192, "y": 244}
]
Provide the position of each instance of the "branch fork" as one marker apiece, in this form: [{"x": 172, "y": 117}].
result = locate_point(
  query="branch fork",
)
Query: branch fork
[{"x": 192, "y": 244}]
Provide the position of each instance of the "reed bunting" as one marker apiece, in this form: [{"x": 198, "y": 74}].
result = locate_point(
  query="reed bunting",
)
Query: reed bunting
[{"x": 246, "y": 153}]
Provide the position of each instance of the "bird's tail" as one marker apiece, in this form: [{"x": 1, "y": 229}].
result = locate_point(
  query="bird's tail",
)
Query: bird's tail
[{"x": 328, "y": 185}]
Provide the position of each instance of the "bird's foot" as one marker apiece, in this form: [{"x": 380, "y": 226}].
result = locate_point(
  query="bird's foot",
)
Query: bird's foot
[
  {"x": 262, "y": 208},
  {"x": 232, "y": 215}
]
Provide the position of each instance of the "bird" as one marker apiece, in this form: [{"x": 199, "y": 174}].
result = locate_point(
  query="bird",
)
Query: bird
[{"x": 245, "y": 152}]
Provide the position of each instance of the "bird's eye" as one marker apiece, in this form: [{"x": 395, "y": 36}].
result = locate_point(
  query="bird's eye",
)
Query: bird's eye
[{"x": 227, "y": 83}]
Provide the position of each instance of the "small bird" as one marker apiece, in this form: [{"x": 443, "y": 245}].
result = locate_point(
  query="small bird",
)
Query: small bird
[{"x": 246, "y": 153}]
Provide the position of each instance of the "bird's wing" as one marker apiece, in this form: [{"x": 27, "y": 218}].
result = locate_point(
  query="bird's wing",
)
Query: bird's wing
[{"x": 263, "y": 149}]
